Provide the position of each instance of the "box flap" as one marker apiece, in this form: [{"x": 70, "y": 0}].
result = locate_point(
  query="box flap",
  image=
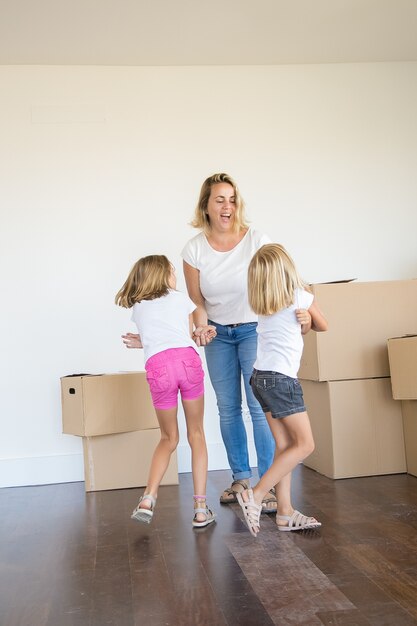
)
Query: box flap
[
  {"x": 78, "y": 375},
  {"x": 337, "y": 282}
]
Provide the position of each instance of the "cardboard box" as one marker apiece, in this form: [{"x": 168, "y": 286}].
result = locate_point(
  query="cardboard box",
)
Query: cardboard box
[
  {"x": 357, "y": 428},
  {"x": 361, "y": 317},
  {"x": 123, "y": 460},
  {"x": 402, "y": 354},
  {"x": 409, "y": 411},
  {"x": 106, "y": 404}
]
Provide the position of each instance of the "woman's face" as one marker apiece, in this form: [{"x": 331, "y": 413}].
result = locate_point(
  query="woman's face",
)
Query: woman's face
[{"x": 221, "y": 206}]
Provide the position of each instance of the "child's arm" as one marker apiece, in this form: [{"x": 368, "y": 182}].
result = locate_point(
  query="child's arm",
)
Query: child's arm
[
  {"x": 191, "y": 325},
  {"x": 318, "y": 321},
  {"x": 132, "y": 340},
  {"x": 303, "y": 318}
]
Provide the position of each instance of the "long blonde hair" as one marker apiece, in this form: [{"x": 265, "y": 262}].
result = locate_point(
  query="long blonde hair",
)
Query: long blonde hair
[
  {"x": 148, "y": 279},
  {"x": 201, "y": 219},
  {"x": 272, "y": 280}
]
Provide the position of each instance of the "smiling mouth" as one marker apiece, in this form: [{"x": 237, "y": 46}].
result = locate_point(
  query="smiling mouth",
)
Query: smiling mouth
[{"x": 228, "y": 215}]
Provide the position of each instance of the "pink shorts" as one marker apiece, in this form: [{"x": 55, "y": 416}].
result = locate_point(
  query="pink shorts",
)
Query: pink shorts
[{"x": 173, "y": 369}]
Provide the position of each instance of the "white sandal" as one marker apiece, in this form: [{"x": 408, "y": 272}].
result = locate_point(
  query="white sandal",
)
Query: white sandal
[
  {"x": 251, "y": 511},
  {"x": 144, "y": 515},
  {"x": 210, "y": 516},
  {"x": 297, "y": 521}
]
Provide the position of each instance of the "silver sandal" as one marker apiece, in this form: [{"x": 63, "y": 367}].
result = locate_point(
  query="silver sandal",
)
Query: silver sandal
[
  {"x": 210, "y": 516},
  {"x": 141, "y": 514}
]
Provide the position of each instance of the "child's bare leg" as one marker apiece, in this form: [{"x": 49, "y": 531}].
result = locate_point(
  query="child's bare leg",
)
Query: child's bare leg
[
  {"x": 167, "y": 419},
  {"x": 283, "y": 488},
  {"x": 301, "y": 444},
  {"x": 194, "y": 413},
  {"x": 283, "y": 491}
]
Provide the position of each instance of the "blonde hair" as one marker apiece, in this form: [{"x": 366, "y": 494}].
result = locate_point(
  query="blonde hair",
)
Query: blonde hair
[
  {"x": 148, "y": 279},
  {"x": 201, "y": 219},
  {"x": 272, "y": 280}
]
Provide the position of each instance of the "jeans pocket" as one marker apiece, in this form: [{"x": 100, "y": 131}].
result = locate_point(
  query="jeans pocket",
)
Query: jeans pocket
[
  {"x": 158, "y": 379},
  {"x": 193, "y": 370}
]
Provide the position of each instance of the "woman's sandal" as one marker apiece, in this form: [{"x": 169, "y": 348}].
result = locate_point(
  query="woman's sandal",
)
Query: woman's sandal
[
  {"x": 141, "y": 514},
  {"x": 251, "y": 511},
  {"x": 269, "y": 503},
  {"x": 229, "y": 495},
  {"x": 210, "y": 517},
  {"x": 297, "y": 521}
]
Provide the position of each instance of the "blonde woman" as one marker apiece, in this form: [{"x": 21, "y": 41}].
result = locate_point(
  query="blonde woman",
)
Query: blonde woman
[
  {"x": 215, "y": 267},
  {"x": 286, "y": 309},
  {"x": 163, "y": 317}
]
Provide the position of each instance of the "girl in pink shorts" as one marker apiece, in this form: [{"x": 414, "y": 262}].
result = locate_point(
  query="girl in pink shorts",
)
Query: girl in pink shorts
[{"x": 163, "y": 317}]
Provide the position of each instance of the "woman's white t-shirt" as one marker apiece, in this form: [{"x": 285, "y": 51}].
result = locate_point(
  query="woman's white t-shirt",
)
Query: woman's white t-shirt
[
  {"x": 224, "y": 276},
  {"x": 163, "y": 323},
  {"x": 280, "y": 343}
]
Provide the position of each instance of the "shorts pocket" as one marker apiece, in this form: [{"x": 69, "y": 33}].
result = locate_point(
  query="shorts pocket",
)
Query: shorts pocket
[
  {"x": 193, "y": 371},
  {"x": 158, "y": 379},
  {"x": 297, "y": 391},
  {"x": 263, "y": 383}
]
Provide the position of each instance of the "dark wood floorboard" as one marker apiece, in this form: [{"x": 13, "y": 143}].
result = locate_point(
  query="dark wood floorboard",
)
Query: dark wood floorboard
[{"x": 68, "y": 558}]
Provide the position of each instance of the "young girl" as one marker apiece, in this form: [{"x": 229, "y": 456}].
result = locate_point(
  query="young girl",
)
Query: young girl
[
  {"x": 164, "y": 321},
  {"x": 286, "y": 311}
]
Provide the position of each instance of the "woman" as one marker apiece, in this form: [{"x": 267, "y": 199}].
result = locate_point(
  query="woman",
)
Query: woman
[{"x": 215, "y": 268}]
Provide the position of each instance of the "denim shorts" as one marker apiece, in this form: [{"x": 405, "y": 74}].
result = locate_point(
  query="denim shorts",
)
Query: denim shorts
[
  {"x": 277, "y": 394},
  {"x": 172, "y": 370}
]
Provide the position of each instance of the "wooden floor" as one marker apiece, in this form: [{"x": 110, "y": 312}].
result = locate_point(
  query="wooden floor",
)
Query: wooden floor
[{"x": 69, "y": 558}]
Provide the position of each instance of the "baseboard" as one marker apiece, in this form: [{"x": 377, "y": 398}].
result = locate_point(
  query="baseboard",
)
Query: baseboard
[{"x": 42, "y": 470}]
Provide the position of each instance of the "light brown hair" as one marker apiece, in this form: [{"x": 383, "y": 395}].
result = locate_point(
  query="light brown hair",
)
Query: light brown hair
[{"x": 148, "y": 279}]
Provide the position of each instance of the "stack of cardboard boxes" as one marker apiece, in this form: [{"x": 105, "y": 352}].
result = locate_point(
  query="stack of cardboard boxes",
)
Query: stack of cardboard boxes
[
  {"x": 114, "y": 415},
  {"x": 357, "y": 426},
  {"x": 402, "y": 352}
]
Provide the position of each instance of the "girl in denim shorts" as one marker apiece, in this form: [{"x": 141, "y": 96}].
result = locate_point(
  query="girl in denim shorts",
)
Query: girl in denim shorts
[
  {"x": 163, "y": 317},
  {"x": 286, "y": 310}
]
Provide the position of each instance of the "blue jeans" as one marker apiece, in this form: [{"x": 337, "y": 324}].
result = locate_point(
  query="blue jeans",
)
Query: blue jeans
[{"x": 230, "y": 355}]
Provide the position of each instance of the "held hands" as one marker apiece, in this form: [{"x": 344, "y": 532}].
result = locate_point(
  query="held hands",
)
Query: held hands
[
  {"x": 202, "y": 335},
  {"x": 131, "y": 340}
]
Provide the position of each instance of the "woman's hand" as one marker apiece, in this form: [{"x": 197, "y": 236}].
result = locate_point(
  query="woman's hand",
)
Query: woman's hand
[
  {"x": 202, "y": 335},
  {"x": 132, "y": 340}
]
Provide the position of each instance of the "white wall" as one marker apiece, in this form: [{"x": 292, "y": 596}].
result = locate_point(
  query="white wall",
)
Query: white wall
[{"x": 101, "y": 165}]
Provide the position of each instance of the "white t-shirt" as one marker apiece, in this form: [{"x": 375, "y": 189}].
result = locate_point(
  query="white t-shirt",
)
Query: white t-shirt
[
  {"x": 280, "y": 343},
  {"x": 224, "y": 276},
  {"x": 163, "y": 323}
]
